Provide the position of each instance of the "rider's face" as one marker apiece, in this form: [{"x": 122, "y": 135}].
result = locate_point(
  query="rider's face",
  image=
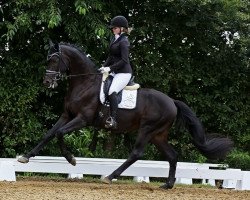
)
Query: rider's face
[{"x": 116, "y": 30}]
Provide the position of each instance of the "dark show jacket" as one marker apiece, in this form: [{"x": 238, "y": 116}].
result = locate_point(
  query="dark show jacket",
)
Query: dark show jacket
[{"x": 118, "y": 59}]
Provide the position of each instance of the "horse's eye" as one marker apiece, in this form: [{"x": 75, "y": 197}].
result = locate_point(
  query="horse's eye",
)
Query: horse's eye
[{"x": 53, "y": 61}]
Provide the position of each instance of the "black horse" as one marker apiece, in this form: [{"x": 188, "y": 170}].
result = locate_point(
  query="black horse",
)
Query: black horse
[{"x": 153, "y": 117}]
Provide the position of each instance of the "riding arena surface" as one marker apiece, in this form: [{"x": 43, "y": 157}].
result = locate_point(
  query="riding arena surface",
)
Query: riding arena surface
[{"x": 37, "y": 189}]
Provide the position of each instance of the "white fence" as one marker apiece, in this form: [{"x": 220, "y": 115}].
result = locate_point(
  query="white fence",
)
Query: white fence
[{"x": 142, "y": 170}]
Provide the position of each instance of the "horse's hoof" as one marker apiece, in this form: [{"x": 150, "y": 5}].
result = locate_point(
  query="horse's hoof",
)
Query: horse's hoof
[
  {"x": 73, "y": 161},
  {"x": 166, "y": 187},
  {"x": 106, "y": 180},
  {"x": 23, "y": 159}
]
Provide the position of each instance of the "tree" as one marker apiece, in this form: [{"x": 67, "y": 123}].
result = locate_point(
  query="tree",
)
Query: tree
[{"x": 194, "y": 50}]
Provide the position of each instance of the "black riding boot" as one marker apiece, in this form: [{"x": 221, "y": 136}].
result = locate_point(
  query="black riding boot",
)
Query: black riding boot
[{"x": 111, "y": 121}]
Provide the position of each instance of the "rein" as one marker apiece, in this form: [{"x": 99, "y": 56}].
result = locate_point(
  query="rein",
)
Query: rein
[
  {"x": 49, "y": 72},
  {"x": 58, "y": 73},
  {"x": 75, "y": 75}
]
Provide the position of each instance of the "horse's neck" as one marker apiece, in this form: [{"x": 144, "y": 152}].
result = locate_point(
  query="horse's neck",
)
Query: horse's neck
[
  {"x": 84, "y": 87},
  {"x": 78, "y": 71},
  {"x": 79, "y": 63},
  {"x": 82, "y": 75}
]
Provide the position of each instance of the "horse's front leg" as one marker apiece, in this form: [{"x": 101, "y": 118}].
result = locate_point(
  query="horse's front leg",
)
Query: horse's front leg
[
  {"x": 65, "y": 152},
  {"x": 73, "y": 125},
  {"x": 47, "y": 137}
]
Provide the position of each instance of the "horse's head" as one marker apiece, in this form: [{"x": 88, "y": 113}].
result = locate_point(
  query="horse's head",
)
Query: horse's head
[
  {"x": 57, "y": 65},
  {"x": 67, "y": 58}
]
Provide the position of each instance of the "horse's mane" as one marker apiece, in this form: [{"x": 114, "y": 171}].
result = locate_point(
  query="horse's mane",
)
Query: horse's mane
[
  {"x": 82, "y": 52},
  {"x": 74, "y": 46}
]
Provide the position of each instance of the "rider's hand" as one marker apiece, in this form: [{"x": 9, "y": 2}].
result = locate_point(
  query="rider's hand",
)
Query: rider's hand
[
  {"x": 104, "y": 69},
  {"x": 101, "y": 69}
]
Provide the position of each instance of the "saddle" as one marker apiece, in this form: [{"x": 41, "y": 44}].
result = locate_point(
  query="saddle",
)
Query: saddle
[
  {"x": 106, "y": 86},
  {"x": 107, "y": 81}
]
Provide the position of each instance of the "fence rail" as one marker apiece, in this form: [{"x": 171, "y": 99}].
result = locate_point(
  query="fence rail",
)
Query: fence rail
[{"x": 142, "y": 170}]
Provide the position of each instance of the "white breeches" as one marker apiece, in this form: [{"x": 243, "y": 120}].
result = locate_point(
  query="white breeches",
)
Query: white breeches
[{"x": 119, "y": 82}]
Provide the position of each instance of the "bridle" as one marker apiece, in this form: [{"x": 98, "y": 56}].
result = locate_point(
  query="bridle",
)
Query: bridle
[{"x": 58, "y": 75}]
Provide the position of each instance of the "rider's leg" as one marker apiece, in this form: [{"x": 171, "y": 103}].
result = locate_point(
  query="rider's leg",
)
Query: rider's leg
[
  {"x": 111, "y": 122},
  {"x": 120, "y": 80}
]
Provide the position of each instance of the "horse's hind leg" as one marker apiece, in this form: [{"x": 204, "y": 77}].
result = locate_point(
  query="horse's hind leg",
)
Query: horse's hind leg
[
  {"x": 171, "y": 156},
  {"x": 137, "y": 152}
]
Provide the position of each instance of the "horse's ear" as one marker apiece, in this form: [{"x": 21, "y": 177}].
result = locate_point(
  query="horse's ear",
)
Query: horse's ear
[
  {"x": 51, "y": 44},
  {"x": 56, "y": 46}
]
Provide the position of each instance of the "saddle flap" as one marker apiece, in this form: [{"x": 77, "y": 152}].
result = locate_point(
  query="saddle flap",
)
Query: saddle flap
[{"x": 126, "y": 98}]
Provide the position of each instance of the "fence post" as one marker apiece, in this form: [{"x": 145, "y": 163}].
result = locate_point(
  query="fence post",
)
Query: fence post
[
  {"x": 140, "y": 179},
  {"x": 104, "y": 176},
  {"x": 244, "y": 184},
  {"x": 7, "y": 171},
  {"x": 186, "y": 181},
  {"x": 211, "y": 182},
  {"x": 229, "y": 184},
  {"x": 77, "y": 176}
]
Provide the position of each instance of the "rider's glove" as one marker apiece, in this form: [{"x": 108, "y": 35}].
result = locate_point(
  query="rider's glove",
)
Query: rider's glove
[
  {"x": 101, "y": 69},
  {"x": 104, "y": 69}
]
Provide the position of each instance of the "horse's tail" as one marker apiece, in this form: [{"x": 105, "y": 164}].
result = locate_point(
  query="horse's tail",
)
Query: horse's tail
[{"x": 212, "y": 147}]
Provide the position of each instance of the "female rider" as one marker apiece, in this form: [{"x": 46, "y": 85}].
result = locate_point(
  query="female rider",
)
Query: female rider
[{"x": 118, "y": 63}]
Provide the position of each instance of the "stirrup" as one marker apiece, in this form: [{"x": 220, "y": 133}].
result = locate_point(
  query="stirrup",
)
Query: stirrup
[{"x": 111, "y": 123}]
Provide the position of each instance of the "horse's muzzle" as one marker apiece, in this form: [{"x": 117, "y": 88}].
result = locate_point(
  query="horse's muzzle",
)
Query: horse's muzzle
[{"x": 50, "y": 83}]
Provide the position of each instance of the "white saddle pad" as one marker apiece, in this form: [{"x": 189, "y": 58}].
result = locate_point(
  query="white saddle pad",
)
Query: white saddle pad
[{"x": 128, "y": 98}]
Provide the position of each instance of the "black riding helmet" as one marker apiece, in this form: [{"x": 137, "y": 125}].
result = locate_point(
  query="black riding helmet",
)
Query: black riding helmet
[{"x": 119, "y": 21}]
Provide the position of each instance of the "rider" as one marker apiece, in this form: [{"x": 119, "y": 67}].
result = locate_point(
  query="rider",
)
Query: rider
[{"x": 118, "y": 63}]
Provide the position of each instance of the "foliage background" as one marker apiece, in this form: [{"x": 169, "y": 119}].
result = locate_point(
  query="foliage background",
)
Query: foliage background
[{"x": 195, "y": 50}]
